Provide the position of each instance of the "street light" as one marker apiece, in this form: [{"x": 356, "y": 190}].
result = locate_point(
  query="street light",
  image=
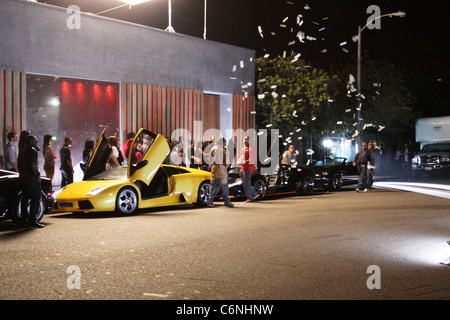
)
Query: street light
[
  {"x": 127, "y": 3},
  {"x": 170, "y": 28},
  {"x": 400, "y": 14},
  {"x": 136, "y": 2}
]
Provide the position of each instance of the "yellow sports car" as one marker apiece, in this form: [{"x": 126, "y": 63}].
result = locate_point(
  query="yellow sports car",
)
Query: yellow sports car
[{"x": 144, "y": 183}]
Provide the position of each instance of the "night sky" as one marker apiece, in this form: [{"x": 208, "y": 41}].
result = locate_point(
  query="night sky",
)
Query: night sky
[{"x": 416, "y": 44}]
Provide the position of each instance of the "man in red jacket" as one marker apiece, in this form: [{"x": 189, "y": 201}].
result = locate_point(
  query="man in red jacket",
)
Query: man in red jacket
[{"x": 247, "y": 162}]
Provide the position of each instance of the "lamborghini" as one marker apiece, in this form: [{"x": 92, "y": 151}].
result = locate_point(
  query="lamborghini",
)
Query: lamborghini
[{"x": 145, "y": 182}]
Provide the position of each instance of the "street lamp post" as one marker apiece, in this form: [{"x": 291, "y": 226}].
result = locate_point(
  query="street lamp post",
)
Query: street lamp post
[
  {"x": 400, "y": 14},
  {"x": 170, "y": 28}
]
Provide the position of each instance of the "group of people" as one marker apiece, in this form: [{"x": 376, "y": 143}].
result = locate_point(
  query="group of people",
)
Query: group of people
[
  {"x": 219, "y": 173},
  {"x": 213, "y": 156},
  {"x": 365, "y": 161},
  {"x": 369, "y": 157}
]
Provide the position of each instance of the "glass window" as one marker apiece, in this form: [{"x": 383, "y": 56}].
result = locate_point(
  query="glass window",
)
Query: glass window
[{"x": 67, "y": 107}]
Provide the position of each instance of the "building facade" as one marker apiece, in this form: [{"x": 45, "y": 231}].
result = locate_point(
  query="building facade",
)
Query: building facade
[{"x": 74, "y": 79}]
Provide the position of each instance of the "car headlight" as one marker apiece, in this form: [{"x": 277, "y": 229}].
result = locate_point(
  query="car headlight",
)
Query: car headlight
[
  {"x": 96, "y": 190},
  {"x": 325, "y": 173},
  {"x": 445, "y": 159},
  {"x": 416, "y": 160},
  {"x": 58, "y": 192}
]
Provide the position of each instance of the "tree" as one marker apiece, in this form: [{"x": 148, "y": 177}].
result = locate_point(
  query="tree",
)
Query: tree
[
  {"x": 385, "y": 101},
  {"x": 292, "y": 94}
]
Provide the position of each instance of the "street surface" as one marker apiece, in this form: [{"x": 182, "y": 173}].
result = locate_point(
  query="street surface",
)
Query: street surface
[{"x": 322, "y": 246}]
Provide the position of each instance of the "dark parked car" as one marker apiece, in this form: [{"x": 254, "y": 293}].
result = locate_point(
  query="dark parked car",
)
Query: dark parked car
[
  {"x": 336, "y": 173},
  {"x": 11, "y": 196},
  {"x": 286, "y": 179}
]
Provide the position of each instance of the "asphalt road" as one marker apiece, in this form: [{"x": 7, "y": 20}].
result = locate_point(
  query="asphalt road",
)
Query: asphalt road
[{"x": 323, "y": 246}]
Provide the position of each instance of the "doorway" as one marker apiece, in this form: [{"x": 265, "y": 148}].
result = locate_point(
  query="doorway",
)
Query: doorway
[{"x": 211, "y": 117}]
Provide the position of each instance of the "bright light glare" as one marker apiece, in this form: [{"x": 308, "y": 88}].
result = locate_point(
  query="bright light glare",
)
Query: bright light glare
[
  {"x": 54, "y": 102},
  {"x": 437, "y": 190},
  {"x": 422, "y": 250},
  {"x": 134, "y": 2},
  {"x": 328, "y": 143}
]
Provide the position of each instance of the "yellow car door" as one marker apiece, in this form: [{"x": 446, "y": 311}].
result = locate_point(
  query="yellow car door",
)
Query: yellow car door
[
  {"x": 145, "y": 160},
  {"x": 99, "y": 158}
]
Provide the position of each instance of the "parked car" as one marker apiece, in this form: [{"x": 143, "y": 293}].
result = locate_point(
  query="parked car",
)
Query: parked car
[
  {"x": 336, "y": 173},
  {"x": 11, "y": 196},
  {"x": 328, "y": 177},
  {"x": 432, "y": 158},
  {"x": 143, "y": 183},
  {"x": 285, "y": 179}
]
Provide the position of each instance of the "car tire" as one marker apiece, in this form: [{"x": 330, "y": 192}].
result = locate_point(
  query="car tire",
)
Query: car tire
[
  {"x": 203, "y": 194},
  {"x": 17, "y": 215},
  {"x": 306, "y": 185},
  {"x": 260, "y": 188},
  {"x": 336, "y": 182},
  {"x": 127, "y": 201}
]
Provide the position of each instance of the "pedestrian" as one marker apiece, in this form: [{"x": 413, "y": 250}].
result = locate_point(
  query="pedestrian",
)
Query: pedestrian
[
  {"x": 247, "y": 163},
  {"x": 113, "y": 160},
  {"x": 195, "y": 161},
  {"x": 289, "y": 156},
  {"x": 30, "y": 182},
  {"x": 381, "y": 162},
  {"x": 126, "y": 145},
  {"x": 10, "y": 152},
  {"x": 66, "y": 167},
  {"x": 22, "y": 137},
  {"x": 87, "y": 152},
  {"x": 138, "y": 152},
  {"x": 406, "y": 158},
  {"x": 371, "y": 166},
  {"x": 146, "y": 139},
  {"x": 362, "y": 158},
  {"x": 219, "y": 174},
  {"x": 49, "y": 157}
]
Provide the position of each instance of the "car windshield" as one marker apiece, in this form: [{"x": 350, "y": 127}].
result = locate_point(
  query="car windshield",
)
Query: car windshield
[
  {"x": 436, "y": 148},
  {"x": 119, "y": 173},
  {"x": 329, "y": 162}
]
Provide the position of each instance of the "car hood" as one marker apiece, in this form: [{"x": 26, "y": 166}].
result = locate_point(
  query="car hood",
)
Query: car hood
[
  {"x": 433, "y": 154},
  {"x": 81, "y": 189}
]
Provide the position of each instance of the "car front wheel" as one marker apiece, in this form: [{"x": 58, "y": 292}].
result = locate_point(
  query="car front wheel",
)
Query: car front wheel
[
  {"x": 306, "y": 185},
  {"x": 260, "y": 188},
  {"x": 126, "y": 201},
  {"x": 204, "y": 191},
  {"x": 336, "y": 182}
]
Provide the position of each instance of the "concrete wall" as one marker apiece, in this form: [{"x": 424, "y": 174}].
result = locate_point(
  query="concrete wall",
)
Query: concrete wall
[{"x": 34, "y": 38}]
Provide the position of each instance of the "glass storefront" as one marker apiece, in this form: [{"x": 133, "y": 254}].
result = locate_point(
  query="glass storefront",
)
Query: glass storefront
[{"x": 67, "y": 107}]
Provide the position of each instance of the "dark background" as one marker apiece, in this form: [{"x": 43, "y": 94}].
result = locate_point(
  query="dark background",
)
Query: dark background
[{"x": 416, "y": 44}]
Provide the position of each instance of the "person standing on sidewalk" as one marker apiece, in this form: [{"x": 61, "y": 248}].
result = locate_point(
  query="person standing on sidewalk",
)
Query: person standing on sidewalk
[
  {"x": 247, "y": 162},
  {"x": 11, "y": 153},
  {"x": 30, "y": 182},
  {"x": 66, "y": 163},
  {"x": 361, "y": 160},
  {"x": 219, "y": 174}
]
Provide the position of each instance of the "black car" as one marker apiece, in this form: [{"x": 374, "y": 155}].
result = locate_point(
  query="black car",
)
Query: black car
[
  {"x": 336, "y": 173},
  {"x": 11, "y": 196},
  {"x": 285, "y": 179}
]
